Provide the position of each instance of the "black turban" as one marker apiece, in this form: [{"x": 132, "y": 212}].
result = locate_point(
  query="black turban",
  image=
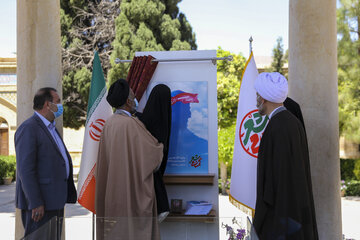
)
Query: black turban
[{"x": 118, "y": 93}]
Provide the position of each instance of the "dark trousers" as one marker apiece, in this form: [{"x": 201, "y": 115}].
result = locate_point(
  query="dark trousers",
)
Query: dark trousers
[{"x": 31, "y": 226}]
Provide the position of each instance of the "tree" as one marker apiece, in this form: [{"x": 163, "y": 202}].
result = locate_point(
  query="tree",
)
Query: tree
[
  {"x": 348, "y": 20},
  {"x": 76, "y": 86},
  {"x": 115, "y": 28},
  {"x": 144, "y": 25},
  {"x": 85, "y": 26},
  {"x": 279, "y": 58},
  {"x": 226, "y": 138},
  {"x": 93, "y": 27},
  {"x": 229, "y": 75},
  {"x": 228, "y": 87}
]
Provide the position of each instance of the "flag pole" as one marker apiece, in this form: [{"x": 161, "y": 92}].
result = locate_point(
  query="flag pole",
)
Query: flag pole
[
  {"x": 93, "y": 226},
  {"x": 214, "y": 59},
  {"x": 250, "y": 44},
  {"x": 93, "y": 215}
]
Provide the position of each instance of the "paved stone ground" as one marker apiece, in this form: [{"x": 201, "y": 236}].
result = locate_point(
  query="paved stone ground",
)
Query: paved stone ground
[{"x": 79, "y": 220}]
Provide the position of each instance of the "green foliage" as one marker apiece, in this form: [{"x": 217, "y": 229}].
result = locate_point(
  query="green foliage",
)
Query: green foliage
[
  {"x": 178, "y": 45},
  {"x": 76, "y": 85},
  {"x": 68, "y": 18},
  {"x": 350, "y": 169},
  {"x": 357, "y": 169},
  {"x": 171, "y": 7},
  {"x": 228, "y": 87},
  {"x": 226, "y": 185},
  {"x": 76, "y": 80},
  {"x": 352, "y": 188},
  {"x": 228, "y": 94},
  {"x": 348, "y": 16},
  {"x": 143, "y": 25},
  {"x": 187, "y": 35},
  {"x": 226, "y": 137},
  {"x": 65, "y": 23},
  {"x": 279, "y": 58},
  {"x": 7, "y": 167},
  {"x": 118, "y": 29},
  {"x": 347, "y": 169}
]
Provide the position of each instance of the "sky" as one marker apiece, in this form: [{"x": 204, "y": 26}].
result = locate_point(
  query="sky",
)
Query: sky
[
  {"x": 225, "y": 23},
  {"x": 230, "y": 23},
  {"x": 7, "y": 28}
]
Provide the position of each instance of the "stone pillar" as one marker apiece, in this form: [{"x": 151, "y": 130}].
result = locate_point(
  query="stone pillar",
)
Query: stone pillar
[
  {"x": 38, "y": 58},
  {"x": 38, "y": 51},
  {"x": 313, "y": 84}
]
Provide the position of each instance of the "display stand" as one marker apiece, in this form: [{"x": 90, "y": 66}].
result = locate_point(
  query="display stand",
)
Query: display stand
[
  {"x": 181, "y": 217},
  {"x": 193, "y": 77},
  {"x": 189, "y": 179}
]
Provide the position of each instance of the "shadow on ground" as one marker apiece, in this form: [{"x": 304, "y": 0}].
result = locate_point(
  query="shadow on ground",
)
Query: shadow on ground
[
  {"x": 76, "y": 210},
  {"x": 7, "y": 203},
  {"x": 7, "y": 198}
]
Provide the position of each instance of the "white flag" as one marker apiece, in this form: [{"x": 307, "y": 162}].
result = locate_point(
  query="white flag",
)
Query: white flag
[{"x": 249, "y": 129}]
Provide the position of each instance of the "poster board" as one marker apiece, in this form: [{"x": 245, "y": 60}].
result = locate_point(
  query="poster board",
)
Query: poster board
[{"x": 188, "y": 151}]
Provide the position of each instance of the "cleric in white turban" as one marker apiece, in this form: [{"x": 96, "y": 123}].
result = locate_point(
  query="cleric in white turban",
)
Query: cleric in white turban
[
  {"x": 272, "y": 87},
  {"x": 284, "y": 204}
]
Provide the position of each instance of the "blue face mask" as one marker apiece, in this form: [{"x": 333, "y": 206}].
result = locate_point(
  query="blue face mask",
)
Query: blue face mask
[{"x": 60, "y": 110}]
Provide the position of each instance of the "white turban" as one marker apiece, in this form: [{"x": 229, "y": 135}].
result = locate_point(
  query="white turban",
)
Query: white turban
[{"x": 272, "y": 87}]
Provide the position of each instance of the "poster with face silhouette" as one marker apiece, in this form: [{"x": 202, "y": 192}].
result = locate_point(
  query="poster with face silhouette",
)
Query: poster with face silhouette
[{"x": 188, "y": 148}]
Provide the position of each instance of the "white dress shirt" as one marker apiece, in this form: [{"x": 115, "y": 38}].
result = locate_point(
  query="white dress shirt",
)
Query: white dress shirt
[
  {"x": 118, "y": 111},
  {"x": 51, "y": 127}
]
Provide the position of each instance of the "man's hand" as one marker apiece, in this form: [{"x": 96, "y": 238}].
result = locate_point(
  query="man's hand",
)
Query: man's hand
[{"x": 38, "y": 213}]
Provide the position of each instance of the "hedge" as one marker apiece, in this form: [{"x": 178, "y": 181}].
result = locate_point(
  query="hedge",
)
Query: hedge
[
  {"x": 7, "y": 167},
  {"x": 352, "y": 188},
  {"x": 350, "y": 169},
  {"x": 357, "y": 169}
]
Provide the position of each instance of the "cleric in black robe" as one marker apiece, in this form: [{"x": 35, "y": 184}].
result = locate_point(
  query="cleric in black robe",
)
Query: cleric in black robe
[
  {"x": 295, "y": 109},
  {"x": 284, "y": 205},
  {"x": 157, "y": 119}
]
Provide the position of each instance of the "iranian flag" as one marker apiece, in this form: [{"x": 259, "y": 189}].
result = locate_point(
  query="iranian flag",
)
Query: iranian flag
[
  {"x": 249, "y": 129},
  {"x": 98, "y": 112}
]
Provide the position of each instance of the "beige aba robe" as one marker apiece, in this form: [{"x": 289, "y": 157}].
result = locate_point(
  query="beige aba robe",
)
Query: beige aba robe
[{"x": 125, "y": 201}]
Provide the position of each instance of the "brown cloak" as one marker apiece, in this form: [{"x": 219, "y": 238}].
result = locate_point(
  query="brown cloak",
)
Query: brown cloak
[{"x": 125, "y": 201}]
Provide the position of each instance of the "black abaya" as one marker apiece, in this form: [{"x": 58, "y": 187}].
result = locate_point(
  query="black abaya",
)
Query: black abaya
[{"x": 157, "y": 119}]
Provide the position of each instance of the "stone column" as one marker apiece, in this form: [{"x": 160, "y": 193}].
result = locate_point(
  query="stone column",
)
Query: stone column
[
  {"x": 38, "y": 51},
  {"x": 313, "y": 84},
  {"x": 38, "y": 58}
]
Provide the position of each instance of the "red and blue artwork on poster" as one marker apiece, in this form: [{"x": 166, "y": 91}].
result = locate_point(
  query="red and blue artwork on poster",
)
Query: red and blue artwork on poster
[{"x": 188, "y": 148}]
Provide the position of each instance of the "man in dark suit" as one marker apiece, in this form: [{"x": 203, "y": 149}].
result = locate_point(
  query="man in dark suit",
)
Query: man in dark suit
[{"x": 44, "y": 167}]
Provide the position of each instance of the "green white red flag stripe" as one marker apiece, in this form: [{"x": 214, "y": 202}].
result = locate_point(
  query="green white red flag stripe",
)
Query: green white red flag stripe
[{"x": 98, "y": 112}]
